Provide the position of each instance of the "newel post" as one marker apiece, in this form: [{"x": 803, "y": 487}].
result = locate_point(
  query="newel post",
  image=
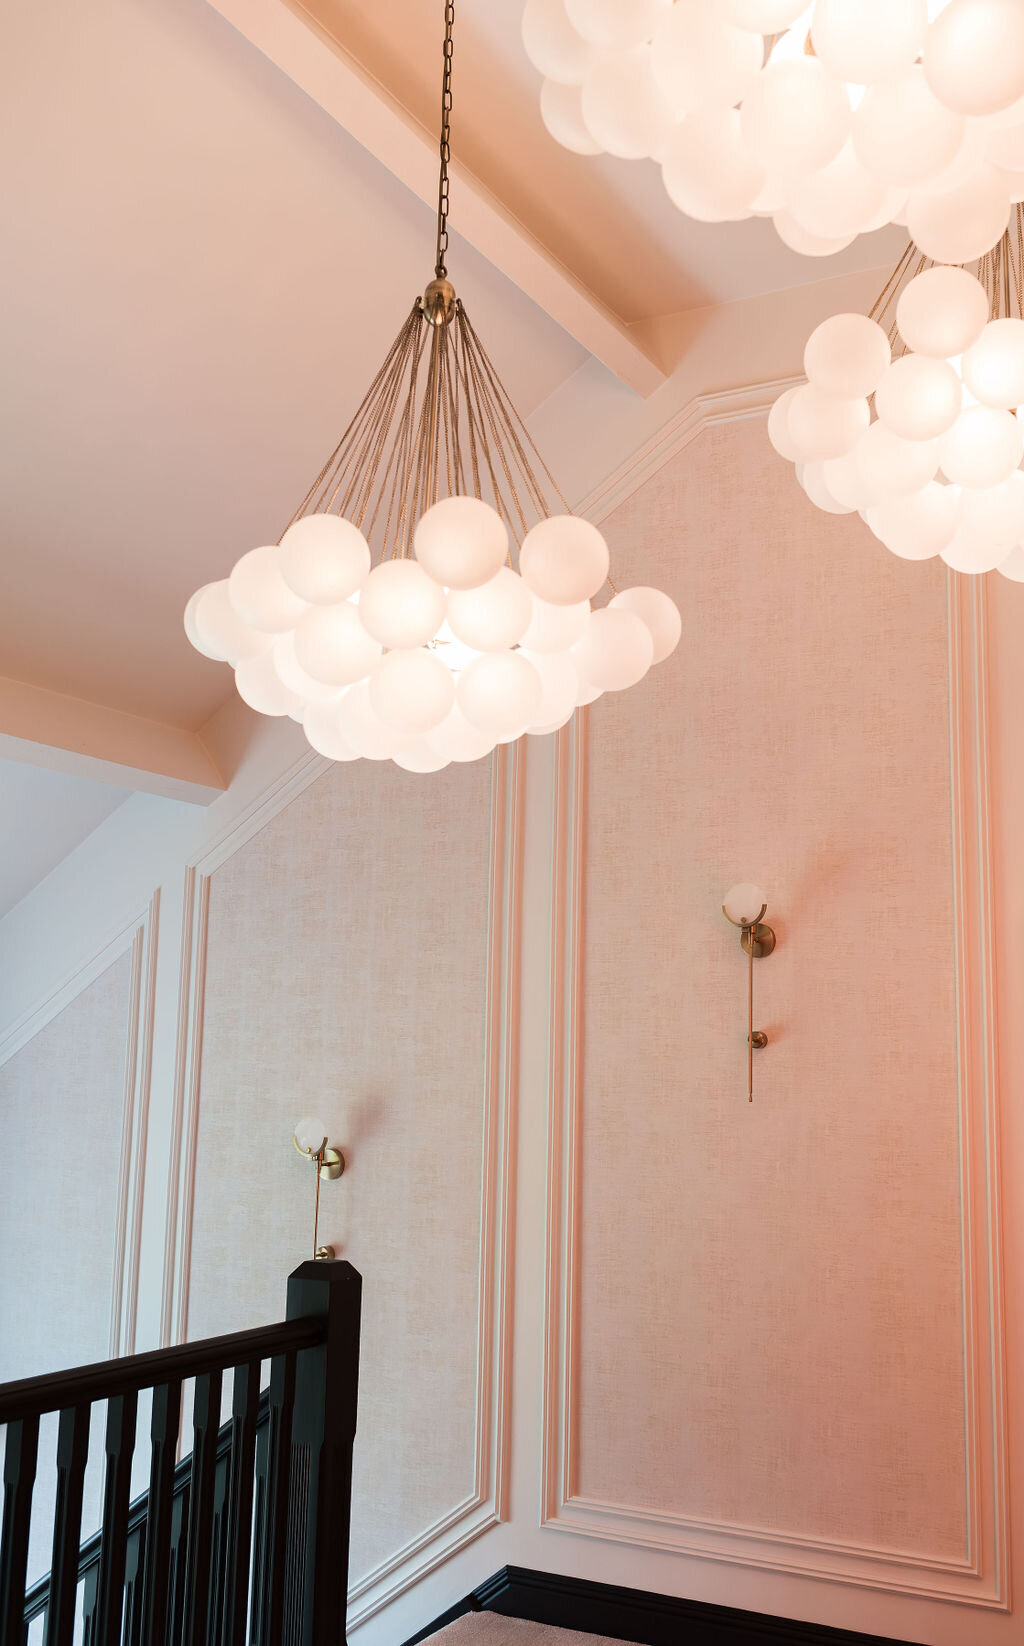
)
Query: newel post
[{"x": 323, "y": 1429}]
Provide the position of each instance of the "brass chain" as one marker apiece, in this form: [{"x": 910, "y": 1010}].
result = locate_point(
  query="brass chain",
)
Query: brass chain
[{"x": 440, "y": 270}]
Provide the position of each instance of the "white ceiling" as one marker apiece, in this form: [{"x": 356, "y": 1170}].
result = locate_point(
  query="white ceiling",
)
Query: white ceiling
[{"x": 43, "y": 816}]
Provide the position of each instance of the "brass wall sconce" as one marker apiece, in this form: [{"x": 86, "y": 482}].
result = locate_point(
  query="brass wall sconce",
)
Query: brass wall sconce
[
  {"x": 745, "y": 907},
  {"x": 310, "y": 1139}
]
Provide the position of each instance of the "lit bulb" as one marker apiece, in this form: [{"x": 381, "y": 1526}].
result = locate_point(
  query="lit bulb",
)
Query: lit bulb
[
  {"x": 744, "y": 904},
  {"x": 310, "y": 1134}
]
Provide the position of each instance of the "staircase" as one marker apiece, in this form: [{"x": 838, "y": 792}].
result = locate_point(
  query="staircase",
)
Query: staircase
[{"x": 491, "y": 1629}]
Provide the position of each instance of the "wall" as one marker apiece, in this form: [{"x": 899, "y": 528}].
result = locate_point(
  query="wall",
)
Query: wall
[{"x": 622, "y": 1323}]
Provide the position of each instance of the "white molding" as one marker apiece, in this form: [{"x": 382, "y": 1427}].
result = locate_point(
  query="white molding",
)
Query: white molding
[
  {"x": 698, "y": 414},
  {"x": 980, "y": 1578},
  {"x": 487, "y": 1503},
  {"x": 138, "y": 939}
]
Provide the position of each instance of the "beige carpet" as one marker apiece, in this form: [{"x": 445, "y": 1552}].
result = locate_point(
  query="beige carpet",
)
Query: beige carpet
[{"x": 489, "y": 1629}]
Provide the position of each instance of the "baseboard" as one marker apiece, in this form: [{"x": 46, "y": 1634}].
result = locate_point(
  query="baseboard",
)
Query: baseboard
[{"x": 636, "y": 1615}]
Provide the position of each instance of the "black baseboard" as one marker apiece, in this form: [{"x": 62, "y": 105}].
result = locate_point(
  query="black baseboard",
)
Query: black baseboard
[{"x": 636, "y": 1615}]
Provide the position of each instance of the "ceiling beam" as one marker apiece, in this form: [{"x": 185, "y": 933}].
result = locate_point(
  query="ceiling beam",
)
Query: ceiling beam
[
  {"x": 67, "y": 734},
  {"x": 366, "y": 110}
]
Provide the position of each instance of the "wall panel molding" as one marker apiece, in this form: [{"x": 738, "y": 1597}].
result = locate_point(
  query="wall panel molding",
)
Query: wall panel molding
[
  {"x": 980, "y": 1577},
  {"x": 486, "y": 1505},
  {"x": 138, "y": 939}
]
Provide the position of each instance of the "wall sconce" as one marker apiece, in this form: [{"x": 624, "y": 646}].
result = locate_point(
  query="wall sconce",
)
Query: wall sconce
[
  {"x": 745, "y": 907},
  {"x": 310, "y": 1138}
]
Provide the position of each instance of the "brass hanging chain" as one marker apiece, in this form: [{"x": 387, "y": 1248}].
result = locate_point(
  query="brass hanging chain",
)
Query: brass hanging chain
[{"x": 440, "y": 269}]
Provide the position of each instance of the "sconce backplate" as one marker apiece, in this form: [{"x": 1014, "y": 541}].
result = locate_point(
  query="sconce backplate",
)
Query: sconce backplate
[
  {"x": 333, "y": 1164},
  {"x": 762, "y": 937}
]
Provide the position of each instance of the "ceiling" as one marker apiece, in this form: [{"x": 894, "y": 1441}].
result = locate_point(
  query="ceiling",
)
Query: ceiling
[{"x": 43, "y": 816}]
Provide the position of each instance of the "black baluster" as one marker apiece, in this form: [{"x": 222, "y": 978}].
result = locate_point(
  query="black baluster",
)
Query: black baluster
[
  {"x": 245, "y": 1397},
  {"x": 120, "y": 1445},
  {"x": 275, "y": 1553},
  {"x": 134, "y": 1580},
  {"x": 90, "y": 1597},
  {"x": 205, "y": 1424},
  {"x": 72, "y": 1457},
  {"x": 179, "y": 1563},
  {"x": 163, "y": 1431},
  {"x": 20, "y": 1456}
]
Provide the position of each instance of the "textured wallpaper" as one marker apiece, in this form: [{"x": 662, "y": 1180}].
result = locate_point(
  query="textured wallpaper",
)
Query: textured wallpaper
[
  {"x": 770, "y": 1329},
  {"x": 346, "y": 977}
]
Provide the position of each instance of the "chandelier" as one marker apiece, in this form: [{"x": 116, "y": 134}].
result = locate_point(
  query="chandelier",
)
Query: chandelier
[
  {"x": 432, "y": 594},
  {"x": 936, "y": 471},
  {"x": 832, "y": 118}
]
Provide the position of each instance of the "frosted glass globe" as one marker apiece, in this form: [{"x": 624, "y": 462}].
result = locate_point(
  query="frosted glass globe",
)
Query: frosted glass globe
[
  {"x": 1004, "y": 146},
  {"x": 363, "y": 729},
  {"x": 982, "y": 448},
  {"x": 891, "y": 466},
  {"x": 324, "y": 558},
  {"x": 965, "y": 223},
  {"x": 295, "y": 676},
  {"x": 701, "y": 60},
  {"x": 813, "y": 483},
  {"x": 311, "y": 1134},
  {"x": 847, "y": 355},
  {"x": 1013, "y": 566},
  {"x": 796, "y": 237},
  {"x": 260, "y": 685},
  {"x": 260, "y": 594},
  {"x": 974, "y": 56},
  {"x": 417, "y": 755},
  {"x": 332, "y": 645},
  {"x": 456, "y": 738},
  {"x": 400, "y": 605},
  {"x": 920, "y": 525},
  {"x": 216, "y": 629},
  {"x": 411, "y": 690},
  {"x": 871, "y": 40},
  {"x": 795, "y": 117},
  {"x": 616, "y": 23},
  {"x": 322, "y": 725},
  {"x": 942, "y": 312},
  {"x": 563, "y": 560},
  {"x": 493, "y": 617},
  {"x": 839, "y": 199},
  {"x": 845, "y": 482},
  {"x": 745, "y": 903},
  {"x": 993, "y": 367},
  {"x": 552, "y": 44},
  {"x": 992, "y": 514},
  {"x": 660, "y": 613},
  {"x": 707, "y": 169},
  {"x": 972, "y": 555},
  {"x": 561, "y": 109},
  {"x": 616, "y": 651},
  {"x": 762, "y": 16},
  {"x": 559, "y": 683},
  {"x": 461, "y": 542},
  {"x": 902, "y": 133},
  {"x": 823, "y": 426},
  {"x": 500, "y": 693},
  {"x": 555, "y": 628},
  {"x": 918, "y": 397},
  {"x": 623, "y": 109},
  {"x": 778, "y": 426}
]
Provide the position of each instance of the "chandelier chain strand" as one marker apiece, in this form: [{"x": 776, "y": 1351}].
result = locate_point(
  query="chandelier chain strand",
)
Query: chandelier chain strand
[{"x": 440, "y": 268}]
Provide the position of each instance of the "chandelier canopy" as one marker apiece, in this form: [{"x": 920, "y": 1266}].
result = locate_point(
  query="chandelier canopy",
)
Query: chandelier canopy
[
  {"x": 432, "y": 594},
  {"x": 831, "y": 118},
  {"x": 937, "y": 470}
]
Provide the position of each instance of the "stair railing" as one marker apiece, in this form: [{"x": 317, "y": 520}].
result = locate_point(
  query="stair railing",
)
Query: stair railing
[{"x": 246, "y": 1540}]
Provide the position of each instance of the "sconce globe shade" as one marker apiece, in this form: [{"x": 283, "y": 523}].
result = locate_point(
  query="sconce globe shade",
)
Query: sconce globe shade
[
  {"x": 310, "y": 1133},
  {"x": 942, "y": 312},
  {"x": 324, "y": 558},
  {"x": 259, "y": 593},
  {"x": 461, "y": 542},
  {"x": 401, "y": 605},
  {"x": 743, "y": 903},
  {"x": 564, "y": 559}
]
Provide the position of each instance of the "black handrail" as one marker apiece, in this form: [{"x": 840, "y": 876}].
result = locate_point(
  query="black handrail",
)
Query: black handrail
[{"x": 244, "y": 1540}]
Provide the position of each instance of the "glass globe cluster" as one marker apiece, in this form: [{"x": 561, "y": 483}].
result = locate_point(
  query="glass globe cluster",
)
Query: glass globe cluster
[
  {"x": 832, "y": 119},
  {"x": 936, "y": 469},
  {"x": 433, "y": 657}
]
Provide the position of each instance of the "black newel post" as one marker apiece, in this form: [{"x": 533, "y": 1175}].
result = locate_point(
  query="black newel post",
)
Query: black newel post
[{"x": 323, "y": 1429}]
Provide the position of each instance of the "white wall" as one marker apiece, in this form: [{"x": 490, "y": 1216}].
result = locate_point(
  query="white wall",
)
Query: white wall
[{"x": 825, "y": 714}]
